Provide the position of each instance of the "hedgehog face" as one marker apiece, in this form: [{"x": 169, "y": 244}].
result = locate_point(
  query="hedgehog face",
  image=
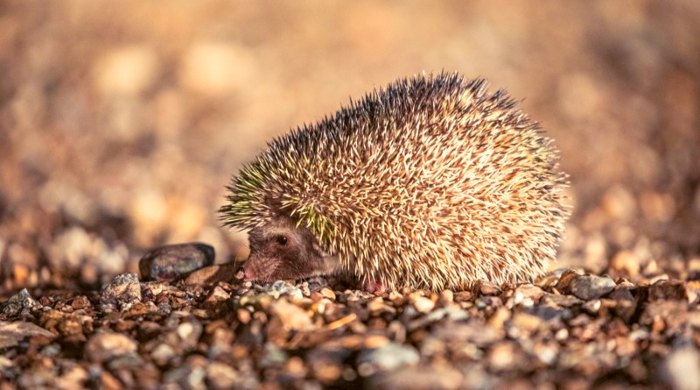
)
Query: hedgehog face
[{"x": 280, "y": 250}]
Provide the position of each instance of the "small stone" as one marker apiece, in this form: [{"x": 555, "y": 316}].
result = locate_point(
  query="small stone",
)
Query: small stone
[
  {"x": 386, "y": 358},
  {"x": 560, "y": 300},
  {"x": 681, "y": 368},
  {"x": 281, "y": 287},
  {"x": 212, "y": 274},
  {"x": 106, "y": 346},
  {"x": 292, "y": 316},
  {"x": 671, "y": 290},
  {"x": 123, "y": 290},
  {"x": 463, "y": 296},
  {"x": 591, "y": 287},
  {"x": 218, "y": 294},
  {"x": 397, "y": 298},
  {"x": 526, "y": 322},
  {"x": 12, "y": 333},
  {"x": 503, "y": 356},
  {"x": 423, "y": 304},
  {"x": 244, "y": 316},
  {"x": 451, "y": 312},
  {"x": 378, "y": 306},
  {"x": 221, "y": 376},
  {"x": 72, "y": 378},
  {"x": 625, "y": 261},
  {"x": 423, "y": 377},
  {"x": 447, "y": 297},
  {"x": 171, "y": 261},
  {"x": 622, "y": 294},
  {"x": 488, "y": 288},
  {"x": 189, "y": 333},
  {"x": 295, "y": 367},
  {"x": 162, "y": 354},
  {"x": 546, "y": 353},
  {"x": 565, "y": 280},
  {"x": 527, "y": 293},
  {"x": 21, "y": 302},
  {"x": 328, "y": 293},
  {"x": 592, "y": 306}
]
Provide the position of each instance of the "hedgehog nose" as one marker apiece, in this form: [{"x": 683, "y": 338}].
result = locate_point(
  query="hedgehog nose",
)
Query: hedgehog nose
[{"x": 249, "y": 273}]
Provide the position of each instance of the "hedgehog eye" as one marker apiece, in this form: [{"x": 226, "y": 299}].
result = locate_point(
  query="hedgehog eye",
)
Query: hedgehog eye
[{"x": 282, "y": 240}]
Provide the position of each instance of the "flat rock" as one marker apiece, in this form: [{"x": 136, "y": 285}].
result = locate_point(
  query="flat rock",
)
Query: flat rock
[
  {"x": 109, "y": 345},
  {"x": 591, "y": 287},
  {"x": 12, "y": 333},
  {"x": 172, "y": 261},
  {"x": 212, "y": 274}
]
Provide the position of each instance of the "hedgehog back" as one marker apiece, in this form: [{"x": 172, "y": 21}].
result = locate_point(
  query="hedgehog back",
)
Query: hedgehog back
[{"x": 432, "y": 182}]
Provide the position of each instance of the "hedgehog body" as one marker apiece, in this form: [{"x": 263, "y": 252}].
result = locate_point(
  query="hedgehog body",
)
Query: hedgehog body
[{"x": 432, "y": 182}]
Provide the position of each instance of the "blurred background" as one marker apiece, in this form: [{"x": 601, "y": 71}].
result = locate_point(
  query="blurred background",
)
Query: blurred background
[{"x": 121, "y": 121}]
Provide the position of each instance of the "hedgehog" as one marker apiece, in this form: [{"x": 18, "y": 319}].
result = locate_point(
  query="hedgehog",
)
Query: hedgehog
[{"x": 432, "y": 182}]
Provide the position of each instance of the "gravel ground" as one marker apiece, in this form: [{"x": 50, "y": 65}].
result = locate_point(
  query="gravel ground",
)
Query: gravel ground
[
  {"x": 568, "y": 330},
  {"x": 121, "y": 122}
]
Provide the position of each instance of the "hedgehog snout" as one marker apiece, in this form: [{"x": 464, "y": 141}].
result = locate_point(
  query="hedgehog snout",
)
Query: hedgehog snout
[
  {"x": 256, "y": 268},
  {"x": 248, "y": 273}
]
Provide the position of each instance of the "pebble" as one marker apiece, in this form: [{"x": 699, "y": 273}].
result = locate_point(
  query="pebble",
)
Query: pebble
[
  {"x": 212, "y": 274},
  {"x": 328, "y": 293},
  {"x": 20, "y": 303},
  {"x": 104, "y": 346},
  {"x": 388, "y": 357},
  {"x": 281, "y": 287},
  {"x": 162, "y": 354},
  {"x": 221, "y": 376},
  {"x": 488, "y": 288},
  {"x": 12, "y": 333},
  {"x": 446, "y": 297},
  {"x": 502, "y": 356},
  {"x": 439, "y": 377},
  {"x": 593, "y": 306},
  {"x": 527, "y": 323},
  {"x": 627, "y": 262},
  {"x": 681, "y": 368},
  {"x": 291, "y": 316},
  {"x": 527, "y": 291},
  {"x": 172, "y": 261},
  {"x": 423, "y": 304},
  {"x": 189, "y": 333},
  {"x": 218, "y": 294},
  {"x": 123, "y": 290},
  {"x": 591, "y": 287}
]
